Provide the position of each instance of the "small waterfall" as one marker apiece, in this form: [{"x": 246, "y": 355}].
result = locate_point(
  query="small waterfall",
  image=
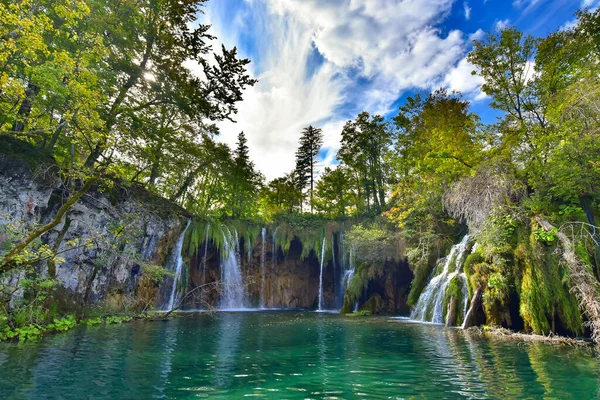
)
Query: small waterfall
[
  {"x": 263, "y": 234},
  {"x": 178, "y": 266},
  {"x": 232, "y": 292},
  {"x": 430, "y": 306},
  {"x": 349, "y": 274},
  {"x": 321, "y": 277},
  {"x": 205, "y": 254}
]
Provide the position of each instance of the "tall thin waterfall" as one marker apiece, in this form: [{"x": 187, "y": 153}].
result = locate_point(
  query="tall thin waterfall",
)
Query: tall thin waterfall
[
  {"x": 321, "y": 276},
  {"x": 263, "y": 234},
  {"x": 205, "y": 254},
  {"x": 232, "y": 291},
  {"x": 430, "y": 306},
  {"x": 178, "y": 266}
]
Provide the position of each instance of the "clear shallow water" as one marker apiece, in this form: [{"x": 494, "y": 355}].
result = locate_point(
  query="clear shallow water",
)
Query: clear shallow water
[{"x": 289, "y": 355}]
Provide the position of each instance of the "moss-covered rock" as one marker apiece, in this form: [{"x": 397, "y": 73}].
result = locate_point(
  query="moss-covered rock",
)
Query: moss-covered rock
[{"x": 374, "y": 305}]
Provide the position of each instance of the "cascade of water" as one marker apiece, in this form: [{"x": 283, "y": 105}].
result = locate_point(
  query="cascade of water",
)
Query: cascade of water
[
  {"x": 178, "y": 267},
  {"x": 263, "y": 234},
  {"x": 431, "y": 300},
  {"x": 348, "y": 273},
  {"x": 321, "y": 277},
  {"x": 205, "y": 254},
  {"x": 232, "y": 294}
]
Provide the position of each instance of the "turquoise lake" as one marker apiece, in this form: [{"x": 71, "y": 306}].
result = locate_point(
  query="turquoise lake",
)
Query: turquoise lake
[{"x": 290, "y": 355}]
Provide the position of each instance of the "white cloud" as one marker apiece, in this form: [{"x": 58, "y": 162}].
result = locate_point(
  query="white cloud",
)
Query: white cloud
[
  {"x": 460, "y": 78},
  {"x": 371, "y": 52},
  {"x": 589, "y": 3},
  {"x": 467, "y": 10},
  {"x": 501, "y": 25}
]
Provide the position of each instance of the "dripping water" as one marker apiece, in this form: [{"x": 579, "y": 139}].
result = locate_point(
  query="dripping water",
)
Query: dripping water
[
  {"x": 178, "y": 268},
  {"x": 232, "y": 296},
  {"x": 321, "y": 277}
]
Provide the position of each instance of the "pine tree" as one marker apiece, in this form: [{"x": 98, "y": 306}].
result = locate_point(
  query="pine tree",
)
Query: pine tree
[
  {"x": 306, "y": 158},
  {"x": 245, "y": 179}
]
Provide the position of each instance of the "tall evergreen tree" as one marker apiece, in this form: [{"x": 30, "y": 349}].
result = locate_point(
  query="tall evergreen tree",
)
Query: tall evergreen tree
[
  {"x": 245, "y": 180},
  {"x": 306, "y": 158}
]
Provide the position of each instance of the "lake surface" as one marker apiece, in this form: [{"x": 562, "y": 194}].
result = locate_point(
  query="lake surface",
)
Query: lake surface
[{"x": 289, "y": 355}]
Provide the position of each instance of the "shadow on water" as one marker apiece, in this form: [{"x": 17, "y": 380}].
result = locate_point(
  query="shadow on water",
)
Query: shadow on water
[{"x": 291, "y": 355}]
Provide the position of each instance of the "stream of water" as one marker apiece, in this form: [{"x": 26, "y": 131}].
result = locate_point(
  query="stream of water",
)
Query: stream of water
[{"x": 176, "y": 285}]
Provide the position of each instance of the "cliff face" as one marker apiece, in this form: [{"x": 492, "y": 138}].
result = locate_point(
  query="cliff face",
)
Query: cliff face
[
  {"x": 289, "y": 281},
  {"x": 293, "y": 282},
  {"x": 117, "y": 230},
  {"x": 122, "y": 230}
]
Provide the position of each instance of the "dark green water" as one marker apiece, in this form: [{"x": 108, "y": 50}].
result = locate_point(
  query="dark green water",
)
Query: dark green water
[{"x": 289, "y": 355}]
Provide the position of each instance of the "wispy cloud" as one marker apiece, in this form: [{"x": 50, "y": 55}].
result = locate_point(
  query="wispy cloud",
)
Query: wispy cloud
[
  {"x": 467, "y": 10},
  {"x": 322, "y": 62}
]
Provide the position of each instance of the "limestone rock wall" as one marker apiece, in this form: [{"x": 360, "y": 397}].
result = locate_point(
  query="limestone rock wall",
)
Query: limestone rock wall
[{"x": 122, "y": 229}]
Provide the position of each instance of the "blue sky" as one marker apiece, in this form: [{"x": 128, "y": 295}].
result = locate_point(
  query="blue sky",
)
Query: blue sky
[{"x": 321, "y": 62}]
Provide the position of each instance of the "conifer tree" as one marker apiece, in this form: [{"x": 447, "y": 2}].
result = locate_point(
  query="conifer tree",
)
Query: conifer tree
[{"x": 306, "y": 158}]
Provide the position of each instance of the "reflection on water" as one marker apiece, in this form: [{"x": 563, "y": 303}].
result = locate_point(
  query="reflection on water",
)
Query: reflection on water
[
  {"x": 227, "y": 348},
  {"x": 289, "y": 355}
]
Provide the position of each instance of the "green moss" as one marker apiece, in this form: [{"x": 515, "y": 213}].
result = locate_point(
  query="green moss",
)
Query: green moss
[
  {"x": 361, "y": 313},
  {"x": 545, "y": 293},
  {"x": 419, "y": 283},
  {"x": 373, "y": 305},
  {"x": 471, "y": 260},
  {"x": 32, "y": 155}
]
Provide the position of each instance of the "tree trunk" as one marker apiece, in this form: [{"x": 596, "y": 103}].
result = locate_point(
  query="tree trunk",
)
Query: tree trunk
[
  {"x": 26, "y": 106},
  {"x": 113, "y": 112},
  {"x": 56, "y": 134},
  {"x": 475, "y": 305},
  {"x": 187, "y": 182},
  {"x": 311, "y": 181},
  {"x": 451, "y": 314},
  {"x": 59, "y": 239}
]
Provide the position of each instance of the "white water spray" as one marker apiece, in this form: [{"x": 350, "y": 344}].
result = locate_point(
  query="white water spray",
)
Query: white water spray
[
  {"x": 321, "y": 277},
  {"x": 431, "y": 301},
  {"x": 178, "y": 267},
  {"x": 232, "y": 295}
]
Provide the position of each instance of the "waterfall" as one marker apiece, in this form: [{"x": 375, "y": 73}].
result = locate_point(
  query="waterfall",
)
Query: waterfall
[
  {"x": 321, "y": 277},
  {"x": 205, "y": 254},
  {"x": 263, "y": 234},
  {"x": 178, "y": 267},
  {"x": 430, "y": 306},
  {"x": 349, "y": 274},
  {"x": 232, "y": 291}
]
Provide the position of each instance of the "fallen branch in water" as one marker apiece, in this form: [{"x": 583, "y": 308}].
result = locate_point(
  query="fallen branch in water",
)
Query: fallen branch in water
[
  {"x": 180, "y": 302},
  {"x": 502, "y": 333}
]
